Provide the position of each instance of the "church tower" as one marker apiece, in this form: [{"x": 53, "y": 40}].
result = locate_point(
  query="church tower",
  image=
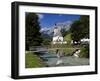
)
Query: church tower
[{"x": 57, "y": 36}]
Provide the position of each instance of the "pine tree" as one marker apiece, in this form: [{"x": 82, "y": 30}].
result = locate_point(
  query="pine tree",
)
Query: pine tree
[{"x": 32, "y": 34}]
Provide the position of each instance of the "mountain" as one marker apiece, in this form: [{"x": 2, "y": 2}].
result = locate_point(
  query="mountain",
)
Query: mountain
[{"x": 48, "y": 32}]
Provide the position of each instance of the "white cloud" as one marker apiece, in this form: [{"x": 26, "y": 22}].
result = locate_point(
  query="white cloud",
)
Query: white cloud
[{"x": 41, "y": 16}]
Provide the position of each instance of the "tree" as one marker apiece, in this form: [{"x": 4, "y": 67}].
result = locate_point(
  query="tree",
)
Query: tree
[
  {"x": 85, "y": 21},
  {"x": 46, "y": 41},
  {"x": 33, "y": 36},
  {"x": 80, "y": 28},
  {"x": 64, "y": 32}
]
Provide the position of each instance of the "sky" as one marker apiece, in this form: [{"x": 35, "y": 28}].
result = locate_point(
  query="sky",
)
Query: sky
[{"x": 49, "y": 20}]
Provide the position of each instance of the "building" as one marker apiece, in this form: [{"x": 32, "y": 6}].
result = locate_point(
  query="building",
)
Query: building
[{"x": 57, "y": 37}]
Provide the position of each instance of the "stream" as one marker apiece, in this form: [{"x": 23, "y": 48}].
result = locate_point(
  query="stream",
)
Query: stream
[{"x": 51, "y": 60}]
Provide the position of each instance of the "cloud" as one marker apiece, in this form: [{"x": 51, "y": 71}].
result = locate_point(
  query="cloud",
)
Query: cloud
[{"x": 41, "y": 16}]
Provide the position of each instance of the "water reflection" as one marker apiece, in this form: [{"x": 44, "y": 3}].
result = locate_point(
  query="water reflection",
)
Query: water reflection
[{"x": 57, "y": 59}]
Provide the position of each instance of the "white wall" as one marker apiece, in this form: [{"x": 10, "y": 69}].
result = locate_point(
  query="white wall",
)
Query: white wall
[{"x": 5, "y": 40}]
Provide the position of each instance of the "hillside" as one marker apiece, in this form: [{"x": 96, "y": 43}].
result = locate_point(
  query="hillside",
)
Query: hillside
[{"x": 68, "y": 37}]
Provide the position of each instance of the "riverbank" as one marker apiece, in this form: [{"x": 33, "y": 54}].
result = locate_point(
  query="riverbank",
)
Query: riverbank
[
  {"x": 46, "y": 59},
  {"x": 33, "y": 61}
]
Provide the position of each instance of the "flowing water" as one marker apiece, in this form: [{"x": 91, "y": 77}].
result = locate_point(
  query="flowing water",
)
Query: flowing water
[{"x": 51, "y": 60}]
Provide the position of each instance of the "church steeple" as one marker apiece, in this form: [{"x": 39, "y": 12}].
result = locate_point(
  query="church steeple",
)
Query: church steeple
[
  {"x": 57, "y": 32},
  {"x": 57, "y": 36}
]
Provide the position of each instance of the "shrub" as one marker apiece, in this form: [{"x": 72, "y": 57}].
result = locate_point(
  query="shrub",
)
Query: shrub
[{"x": 84, "y": 51}]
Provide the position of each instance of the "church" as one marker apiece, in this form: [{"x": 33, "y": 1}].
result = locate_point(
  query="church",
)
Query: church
[{"x": 57, "y": 37}]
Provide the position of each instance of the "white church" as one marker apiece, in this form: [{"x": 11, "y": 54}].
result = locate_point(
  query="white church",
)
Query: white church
[{"x": 57, "y": 37}]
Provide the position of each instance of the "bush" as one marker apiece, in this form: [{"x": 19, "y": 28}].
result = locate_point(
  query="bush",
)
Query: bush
[{"x": 84, "y": 51}]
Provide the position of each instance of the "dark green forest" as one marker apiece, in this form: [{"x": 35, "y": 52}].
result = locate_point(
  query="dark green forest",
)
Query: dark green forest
[
  {"x": 33, "y": 36},
  {"x": 80, "y": 28}
]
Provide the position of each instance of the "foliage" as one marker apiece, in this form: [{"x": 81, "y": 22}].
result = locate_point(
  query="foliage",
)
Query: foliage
[
  {"x": 69, "y": 51},
  {"x": 80, "y": 28},
  {"x": 84, "y": 51},
  {"x": 46, "y": 41},
  {"x": 33, "y": 36},
  {"x": 64, "y": 32}
]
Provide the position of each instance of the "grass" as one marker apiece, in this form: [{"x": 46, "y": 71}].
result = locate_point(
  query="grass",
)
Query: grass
[
  {"x": 68, "y": 51},
  {"x": 33, "y": 61},
  {"x": 67, "y": 38}
]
